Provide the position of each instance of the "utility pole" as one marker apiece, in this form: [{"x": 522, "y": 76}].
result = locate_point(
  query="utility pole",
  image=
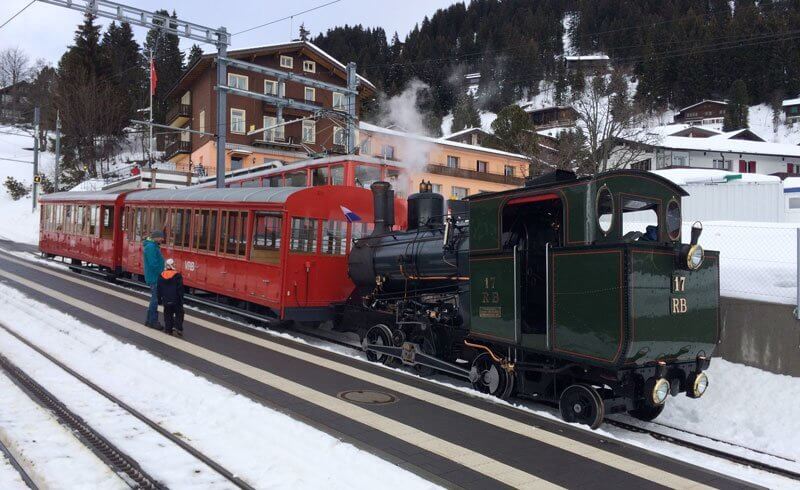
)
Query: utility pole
[
  {"x": 58, "y": 149},
  {"x": 352, "y": 87},
  {"x": 35, "y": 185},
  {"x": 151, "y": 106},
  {"x": 222, "y": 102}
]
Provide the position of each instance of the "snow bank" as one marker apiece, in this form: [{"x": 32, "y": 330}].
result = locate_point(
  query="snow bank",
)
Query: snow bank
[
  {"x": 743, "y": 405},
  {"x": 9, "y": 478},
  {"x": 259, "y": 444}
]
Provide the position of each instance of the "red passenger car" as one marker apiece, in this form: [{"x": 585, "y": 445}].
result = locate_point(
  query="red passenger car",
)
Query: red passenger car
[
  {"x": 282, "y": 248},
  {"x": 83, "y": 226}
]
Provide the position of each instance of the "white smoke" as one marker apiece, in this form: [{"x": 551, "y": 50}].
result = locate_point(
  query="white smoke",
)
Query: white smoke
[{"x": 402, "y": 113}]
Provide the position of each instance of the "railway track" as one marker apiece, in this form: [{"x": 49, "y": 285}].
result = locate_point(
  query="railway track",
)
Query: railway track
[
  {"x": 705, "y": 449},
  {"x": 26, "y": 478},
  {"x": 123, "y": 464}
]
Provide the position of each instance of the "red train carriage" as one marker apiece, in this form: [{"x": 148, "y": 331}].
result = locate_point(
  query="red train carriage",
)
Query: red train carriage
[
  {"x": 282, "y": 248},
  {"x": 83, "y": 226}
]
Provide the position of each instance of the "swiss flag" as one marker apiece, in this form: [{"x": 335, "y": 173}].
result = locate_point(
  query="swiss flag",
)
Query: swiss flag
[{"x": 153, "y": 76}]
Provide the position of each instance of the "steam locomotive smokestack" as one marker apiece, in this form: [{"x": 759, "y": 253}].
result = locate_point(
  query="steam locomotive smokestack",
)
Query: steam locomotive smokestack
[{"x": 383, "y": 205}]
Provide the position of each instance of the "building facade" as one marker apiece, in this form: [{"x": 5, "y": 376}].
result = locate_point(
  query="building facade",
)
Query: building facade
[
  {"x": 791, "y": 110},
  {"x": 737, "y": 151},
  {"x": 194, "y": 106},
  {"x": 703, "y": 113}
]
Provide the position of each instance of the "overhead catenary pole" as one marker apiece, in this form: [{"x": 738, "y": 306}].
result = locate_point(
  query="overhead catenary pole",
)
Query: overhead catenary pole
[
  {"x": 58, "y": 150},
  {"x": 150, "y": 137},
  {"x": 352, "y": 86},
  {"x": 35, "y": 185},
  {"x": 222, "y": 101}
]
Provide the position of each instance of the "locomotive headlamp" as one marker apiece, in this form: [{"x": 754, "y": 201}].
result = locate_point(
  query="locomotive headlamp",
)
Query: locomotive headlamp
[
  {"x": 692, "y": 254},
  {"x": 698, "y": 383},
  {"x": 660, "y": 391},
  {"x": 694, "y": 258}
]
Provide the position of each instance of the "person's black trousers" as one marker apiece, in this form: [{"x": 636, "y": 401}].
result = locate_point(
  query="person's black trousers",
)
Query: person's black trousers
[{"x": 173, "y": 317}]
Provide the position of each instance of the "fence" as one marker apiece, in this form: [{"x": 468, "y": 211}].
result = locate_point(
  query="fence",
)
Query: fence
[{"x": 758, "y": 261}]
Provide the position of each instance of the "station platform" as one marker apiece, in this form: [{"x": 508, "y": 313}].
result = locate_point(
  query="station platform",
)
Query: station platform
[{"x": 445, "y": 435}]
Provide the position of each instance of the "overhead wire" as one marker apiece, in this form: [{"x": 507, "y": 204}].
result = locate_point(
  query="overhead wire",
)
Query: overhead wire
[{"x": 19, "y": 12}]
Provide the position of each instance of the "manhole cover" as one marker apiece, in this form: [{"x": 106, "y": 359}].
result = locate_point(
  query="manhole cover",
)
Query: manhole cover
[{"x": 368, "y": 397}]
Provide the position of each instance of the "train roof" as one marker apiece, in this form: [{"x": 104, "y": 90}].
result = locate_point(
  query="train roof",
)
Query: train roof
[
  {"x": 82, "y": 196},
  {"x": 205, "y": 194}
]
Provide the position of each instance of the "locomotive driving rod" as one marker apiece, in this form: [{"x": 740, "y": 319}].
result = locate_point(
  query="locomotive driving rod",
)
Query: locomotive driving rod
[{"x": 411, "y": 354}]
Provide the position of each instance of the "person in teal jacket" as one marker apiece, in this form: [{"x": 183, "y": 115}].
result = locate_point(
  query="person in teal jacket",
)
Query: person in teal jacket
[{"x": 153, "y": 266}]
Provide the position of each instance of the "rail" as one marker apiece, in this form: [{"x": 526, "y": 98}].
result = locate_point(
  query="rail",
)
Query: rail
[
  {"x": 107, "y": 451},
  {"x": 26, "y": 478}
]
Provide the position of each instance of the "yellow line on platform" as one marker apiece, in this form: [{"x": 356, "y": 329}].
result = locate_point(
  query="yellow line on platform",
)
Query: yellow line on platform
[{"x": 584, "y": 450}]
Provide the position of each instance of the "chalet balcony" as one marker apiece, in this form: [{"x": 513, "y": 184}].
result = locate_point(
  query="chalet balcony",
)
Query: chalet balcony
[
  {"x": 473, "y": 174},
  {"x": 179, "y": 114},
  {"x": 175, "y": 148}
]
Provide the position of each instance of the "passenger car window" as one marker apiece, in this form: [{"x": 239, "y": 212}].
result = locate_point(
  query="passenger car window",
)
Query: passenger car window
[
  {"x": 605, "y": 210},
  {"x": 304, "y": 235},
  {"x": 319, "y": 176},
  {"x": 334, "y": 237},
  {"x": 266, "y": 242}
]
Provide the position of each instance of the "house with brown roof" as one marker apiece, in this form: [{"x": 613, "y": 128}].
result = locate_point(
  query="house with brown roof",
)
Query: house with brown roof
[
  {"x": 305, "y": 132},
  {"x": 703, "y": 113}
]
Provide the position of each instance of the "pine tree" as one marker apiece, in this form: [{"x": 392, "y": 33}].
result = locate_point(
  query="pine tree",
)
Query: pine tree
[
  {"x": 737, "y": 111},
  {"x": 168, "y": 62},
  {"x": 513, "y": 131},
  {"x": 465, "y": 115},
  {"x": 304, "y": 33},
  {"x": 194, "y": 55},
  {"x": 124, "y": 62}
]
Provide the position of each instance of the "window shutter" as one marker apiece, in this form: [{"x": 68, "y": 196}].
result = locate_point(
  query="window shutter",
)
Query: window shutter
[
  {"x": 789, "y": 168},
  {"x": 742, "y": 166}
]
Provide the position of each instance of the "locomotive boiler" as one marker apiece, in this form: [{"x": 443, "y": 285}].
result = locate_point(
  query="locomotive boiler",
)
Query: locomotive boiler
[{"x": 575, "y": 291}]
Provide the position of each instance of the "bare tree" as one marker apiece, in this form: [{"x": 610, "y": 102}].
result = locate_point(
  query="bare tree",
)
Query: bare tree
[
  {"x": 14, "y": 69},
  {"x": 614, "y": 126}
]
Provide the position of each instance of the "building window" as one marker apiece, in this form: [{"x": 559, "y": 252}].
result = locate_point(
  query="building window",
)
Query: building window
[
  {"x": 460, "y": 192},
  {"x": 201, "y": 124},
  {"x": 437, "y": 188},
  {"x": 338, "y": 136},
  {"x": 238, "y": 124},
  {"x": 310, "y": 94},
  {"x": 237, "y": 81},
  {"x": 793, "y": 168},
  {"x": 482, "y": 166},
  {"x": 366, "y": 146},
  {"x": 274, "y": 133},
  {"x": 309, "y": 66},
  {"x": 721, "y": 164},
  {"x": 452, "y": 161},
  {"x": 304, "y": 235},
  {"x": 508, "y": 170},
  {"x": 287, "y": 62},
  {"x": 270, "y": 87},
  {"x": 387, "y": 151},
  {"x": 309, "y": 131},
  {"x": 747, "y": 167},
  {"x": 641, "y": 165},
  {"x": 680, "y": 160},
  {"x": 338, "y": 101}
]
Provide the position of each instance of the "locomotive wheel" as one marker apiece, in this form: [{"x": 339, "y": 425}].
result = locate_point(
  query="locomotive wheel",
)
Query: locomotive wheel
[
  {"x": 378, "y": 335},
  {"x": 582, "y": 404},
  {"x": 647, "y": 413},
  {"x": 490, "y": 377}
]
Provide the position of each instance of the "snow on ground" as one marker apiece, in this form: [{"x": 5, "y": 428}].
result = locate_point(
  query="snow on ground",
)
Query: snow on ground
[
  {"x": 9, "y": 478},
  {"x": 57, "y": 458},
  {"x": 131, "y": 435},
  {"x": 261, "y": 445},
  {"x": 17, "y": 222},
  {"x": 743, "y": 405}
]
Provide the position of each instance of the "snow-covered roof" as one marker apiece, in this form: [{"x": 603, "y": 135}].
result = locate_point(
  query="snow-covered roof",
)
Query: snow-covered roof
[
  {"x": 590, "y": 57},
  {"x": 204, "y": 194},
  {"x": 722, "y": 143},
  {"x": 463, "y": 132},
  {"x": 438, "y": 141},
  {"x": 702, "y": 102},
  {"x": 686, "y": 176},
  {"x": 789, "y": 102}
]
